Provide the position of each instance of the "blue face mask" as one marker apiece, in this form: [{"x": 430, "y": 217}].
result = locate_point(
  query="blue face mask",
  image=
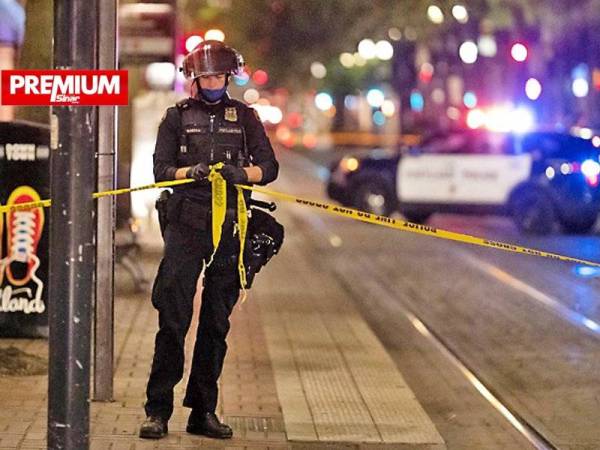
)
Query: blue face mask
[{"x": 213, "y": 95}]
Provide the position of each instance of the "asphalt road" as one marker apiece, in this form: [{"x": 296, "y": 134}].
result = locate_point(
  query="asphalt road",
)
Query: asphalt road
[{"x": 525, "y": 327}]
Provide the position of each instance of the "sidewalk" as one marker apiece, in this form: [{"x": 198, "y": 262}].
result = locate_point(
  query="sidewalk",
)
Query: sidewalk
[{"x": 303, "y": 370}]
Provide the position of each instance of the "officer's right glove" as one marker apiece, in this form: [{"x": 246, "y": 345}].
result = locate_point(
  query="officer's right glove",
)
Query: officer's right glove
[{"x": 198, "y": 172}]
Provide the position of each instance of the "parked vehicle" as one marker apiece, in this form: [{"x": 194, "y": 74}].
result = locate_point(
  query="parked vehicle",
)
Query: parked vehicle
[{"x": 540, "y": 179}]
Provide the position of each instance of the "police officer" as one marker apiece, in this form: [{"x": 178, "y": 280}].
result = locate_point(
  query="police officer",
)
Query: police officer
[{"x": 202, "y": 130}]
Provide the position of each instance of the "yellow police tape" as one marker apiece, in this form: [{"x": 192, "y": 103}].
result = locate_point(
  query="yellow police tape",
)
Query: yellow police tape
[{"x": 401, "y": 225}]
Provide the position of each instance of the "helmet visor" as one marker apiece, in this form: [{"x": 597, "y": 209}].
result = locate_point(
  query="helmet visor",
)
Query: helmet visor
[{"x": 211, "y": 59}]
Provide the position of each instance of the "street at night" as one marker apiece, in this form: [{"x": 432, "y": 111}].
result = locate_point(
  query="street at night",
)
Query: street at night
[{"x": 299, "y": 224}]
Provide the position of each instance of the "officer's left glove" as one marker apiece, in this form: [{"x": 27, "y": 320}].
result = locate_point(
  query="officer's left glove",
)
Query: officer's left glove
[{"x": 233, "y": 174}]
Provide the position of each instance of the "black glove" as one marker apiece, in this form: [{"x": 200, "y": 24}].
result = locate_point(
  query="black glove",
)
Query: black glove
[
  {"x": 233, "y": 174},
  {"x": 198, "y": 172}
]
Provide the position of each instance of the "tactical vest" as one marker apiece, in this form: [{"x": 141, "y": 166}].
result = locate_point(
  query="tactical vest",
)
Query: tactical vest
[{"x": 211, "y": 138}]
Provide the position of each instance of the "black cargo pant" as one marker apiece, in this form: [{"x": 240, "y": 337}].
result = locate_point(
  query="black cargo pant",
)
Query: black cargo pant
[{"x": 172, "y": 295}]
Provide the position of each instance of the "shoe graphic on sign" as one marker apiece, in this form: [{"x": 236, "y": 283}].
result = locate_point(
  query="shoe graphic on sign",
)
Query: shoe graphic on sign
[
  {"x": 1, "y": 247},
  {"x": 24, "y": 230}
]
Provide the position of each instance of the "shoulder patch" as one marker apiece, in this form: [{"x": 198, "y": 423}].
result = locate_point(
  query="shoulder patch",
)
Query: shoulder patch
[{"x": 255, "y": 112}]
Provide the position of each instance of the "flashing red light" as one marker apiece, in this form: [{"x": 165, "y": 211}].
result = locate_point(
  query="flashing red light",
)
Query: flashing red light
[
  {"x": 596, "y": 79},
  {"x": 260, "y": 77}
]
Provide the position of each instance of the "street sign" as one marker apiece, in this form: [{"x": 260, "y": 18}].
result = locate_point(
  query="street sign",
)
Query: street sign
[{"x": 146, "y": 33}]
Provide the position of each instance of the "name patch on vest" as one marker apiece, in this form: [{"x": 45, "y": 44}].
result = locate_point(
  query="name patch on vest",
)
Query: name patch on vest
[
  {"x": 231, "y": 114},
  {"x": 194, "y": 130},
  {"x": 230, "y": 130}
]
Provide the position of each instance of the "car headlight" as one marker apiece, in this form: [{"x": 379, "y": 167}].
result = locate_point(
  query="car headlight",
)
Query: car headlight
[
  {"x": 590, "y": 168},
  {"x": 349, "y": 164}
]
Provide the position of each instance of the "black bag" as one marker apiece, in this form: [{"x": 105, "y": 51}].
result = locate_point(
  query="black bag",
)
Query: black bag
[{"x": 265, "y": 238}]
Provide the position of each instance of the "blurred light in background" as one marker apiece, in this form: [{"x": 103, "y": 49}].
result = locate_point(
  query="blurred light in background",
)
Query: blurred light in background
[
  {"x": 251, "y": 96},
  {"x": 426, "y": 72},
  {"x": 330, "y": 113},
  {"x": 359, "y": 60},
  {"x": 550, "y": 172},
  {"x": 505, "y": 119},
  {"x": 318, "y": 70},
  {"x": 580, "y": 87},
  {"x": 411, "y": 34},
  {"x": 192, "y": 42},
  {"x": 596, "y": 141},
  {"x": 384, "y": 50},
  {"x": 349, "y": 164},
  {"x": 438, "y": 96},
  {"x": 268, "y": 113},
  {"x": 591, "y": 170},
  {"x": 460, "y": 13},
  {"x": 522, "y": 120},
  {"x": 583, "y": 133},
  {"x": 596, "y": 78},
  {"x": 309, "y": 140},
  {"x": 214, "y": 35},
  {"x": 283, "y": 133},
  {"x": 468, "y": 52},
  {"x": 260, "y": 77},
  {"x": 161, "y": 75},
  {"x": 388, "y": 108},
  {"x": 586, "y": 271},
  {"x": 487, "y": 46},
  {"x": 470, "y": 99},
  {"x": 580, "y": 71},
  {"x": 241, "y": 79},
  {"x": 351, "y": 102},
  {"x": 378, "y": 118},
  {"x": 498, "y": 119},
  {"x": 435, "y": 14},
  {"x": 519, "y": 52},
  {"x": 295, "y": 120},
  {"x": 417, "y": 102},
  {"x": 475, "y": 118},
  {"x": 347, "y": 60},
  {"x": 453, "y": 113},
  {"x": 367, "y": 49},
  {"x": 375, "y": 97},
  {"x": 533, "y": 89},
  {"x": 395, "y": 34},
  {"x": 323, "y": 101}
]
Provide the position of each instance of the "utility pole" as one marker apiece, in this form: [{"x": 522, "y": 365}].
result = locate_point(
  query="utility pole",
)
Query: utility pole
[
  {"x": 105, "y": 238},
  {"x": 72, "y": 253}
]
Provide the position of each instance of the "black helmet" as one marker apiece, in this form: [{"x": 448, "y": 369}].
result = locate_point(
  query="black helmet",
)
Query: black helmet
[{"x": 212, "y": 57}]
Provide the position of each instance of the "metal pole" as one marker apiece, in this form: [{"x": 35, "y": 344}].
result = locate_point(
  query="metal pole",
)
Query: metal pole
[
  {"x": 105, "y": 237},
  {"x": 71, "y": 236}
]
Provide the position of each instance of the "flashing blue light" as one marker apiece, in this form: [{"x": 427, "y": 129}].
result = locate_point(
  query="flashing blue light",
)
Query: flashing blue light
[
  {"x": 580, "y": 71},
  {"x": 378, "y": 118},
  {"x": 470, "y": 100},
  {"x": 417, "y": 102},
  {"x": 587, "y": 271}
]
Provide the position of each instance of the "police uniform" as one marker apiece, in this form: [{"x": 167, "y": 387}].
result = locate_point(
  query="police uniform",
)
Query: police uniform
[{"x": 198, "y": 132}]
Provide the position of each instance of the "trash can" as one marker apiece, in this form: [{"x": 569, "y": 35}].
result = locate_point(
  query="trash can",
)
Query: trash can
[{"x": 24, "y": 240}]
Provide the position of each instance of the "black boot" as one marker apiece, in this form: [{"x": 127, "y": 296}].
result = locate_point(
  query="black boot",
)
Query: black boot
[
  {"x": 154, "y": 427},
  {"x": 207, "y": 424}
]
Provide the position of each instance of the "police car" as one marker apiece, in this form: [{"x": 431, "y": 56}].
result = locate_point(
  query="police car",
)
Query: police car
[{"x": 540, "y": 179}]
